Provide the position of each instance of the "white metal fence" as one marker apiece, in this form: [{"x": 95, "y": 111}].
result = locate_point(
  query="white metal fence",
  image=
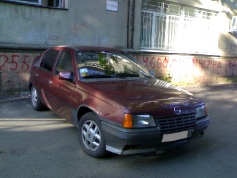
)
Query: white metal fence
[{"x": 173, "y": 27}]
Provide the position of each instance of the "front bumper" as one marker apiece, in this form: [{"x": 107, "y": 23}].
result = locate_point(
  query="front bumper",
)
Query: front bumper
[{"x": 133, "y": 141}]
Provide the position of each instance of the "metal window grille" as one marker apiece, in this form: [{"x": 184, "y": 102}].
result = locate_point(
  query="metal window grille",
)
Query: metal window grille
[
  {"x": 49, "y": 3},
  {"x": 233, "y": 23},
  {"x": 28, "y": 1},
  {"x": 172, "y": 27}
]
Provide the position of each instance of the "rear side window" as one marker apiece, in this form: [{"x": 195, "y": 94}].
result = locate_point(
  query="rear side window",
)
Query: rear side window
[{"x": 48, "y": 60}]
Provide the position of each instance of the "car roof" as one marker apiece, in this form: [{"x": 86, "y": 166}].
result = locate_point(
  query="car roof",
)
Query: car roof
[{"x": 89, "y": 48}]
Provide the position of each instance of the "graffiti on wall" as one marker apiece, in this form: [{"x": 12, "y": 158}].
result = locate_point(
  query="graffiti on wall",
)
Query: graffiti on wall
[
  {"x": 16, "y": 62},
  {"x": 208, "y": 64},
  {"x": 14, "y": 71},
  {"x": 34, "y": 36},
  {"x": 231, "y": 68},
  {"x": 189, "y": 68},
  {"x": 164, "y": 62}
]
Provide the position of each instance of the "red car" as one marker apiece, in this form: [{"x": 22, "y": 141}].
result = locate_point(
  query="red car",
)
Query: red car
[{"x": 114, "y": 101}]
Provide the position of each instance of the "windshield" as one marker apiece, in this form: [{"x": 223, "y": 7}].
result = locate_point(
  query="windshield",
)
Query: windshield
[{"x": 93, "y": 65}]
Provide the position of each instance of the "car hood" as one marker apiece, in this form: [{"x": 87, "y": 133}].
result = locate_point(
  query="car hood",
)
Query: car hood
[{"x": 145, "y": 95}]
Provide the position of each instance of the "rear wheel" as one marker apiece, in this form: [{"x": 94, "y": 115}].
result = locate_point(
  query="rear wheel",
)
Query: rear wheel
[
  {"x": 35, "y": 100},
  {"x": 91, "y": 136}
]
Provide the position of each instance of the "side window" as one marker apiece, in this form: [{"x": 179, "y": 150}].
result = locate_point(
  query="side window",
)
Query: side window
[
  {"x": 48, "y": 60},
  {"x": 64, "y": 62}
]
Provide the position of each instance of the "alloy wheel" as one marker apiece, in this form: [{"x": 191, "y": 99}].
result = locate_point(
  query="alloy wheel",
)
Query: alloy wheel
[{"x": 91, "y": 135}]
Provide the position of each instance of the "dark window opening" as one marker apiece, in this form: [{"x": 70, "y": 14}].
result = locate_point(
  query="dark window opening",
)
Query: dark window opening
[{"x": 55, "y": 3}]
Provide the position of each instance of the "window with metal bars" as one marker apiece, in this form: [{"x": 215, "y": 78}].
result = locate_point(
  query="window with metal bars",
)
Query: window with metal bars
[
  {"x": 174, "y": 27},
  {"x": 45, "y": 3},
  {"x": 38, "y": 2}
]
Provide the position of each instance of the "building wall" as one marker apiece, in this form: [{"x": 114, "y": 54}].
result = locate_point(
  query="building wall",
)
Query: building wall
[{"x": 84, "y": 22}]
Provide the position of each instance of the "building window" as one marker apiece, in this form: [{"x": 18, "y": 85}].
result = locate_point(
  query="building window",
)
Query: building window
[
  {"x": 45, "y": 3},
  {"x": 55, "y": 3},
  {"x": 173, "y": 27},
  {"x": 28, "y": 1}
]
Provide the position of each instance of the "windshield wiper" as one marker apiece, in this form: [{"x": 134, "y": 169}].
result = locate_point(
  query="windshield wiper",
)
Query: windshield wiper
[{"x": 124, "y": 75}]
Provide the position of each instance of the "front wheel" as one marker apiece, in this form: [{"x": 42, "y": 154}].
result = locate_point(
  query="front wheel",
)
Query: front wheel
[
  {"x": 35, "y": 100},
  {"x": 91, "y": 136}
]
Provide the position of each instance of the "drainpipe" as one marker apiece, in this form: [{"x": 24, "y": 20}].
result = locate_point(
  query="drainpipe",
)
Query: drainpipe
[{"x": 130, "y": 25}]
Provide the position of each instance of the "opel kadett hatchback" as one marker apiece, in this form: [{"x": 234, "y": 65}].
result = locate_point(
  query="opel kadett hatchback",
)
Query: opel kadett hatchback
[{"x": 114, "y": 102}]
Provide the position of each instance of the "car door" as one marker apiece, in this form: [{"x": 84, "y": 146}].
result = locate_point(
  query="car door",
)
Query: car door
[
  {"x": 63, "y": 90},
  {"x": 43, "y": 74}
]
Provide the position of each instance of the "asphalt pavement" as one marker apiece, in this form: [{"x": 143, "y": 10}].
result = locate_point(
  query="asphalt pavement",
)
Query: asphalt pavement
[{"x": 41, "y": 144}]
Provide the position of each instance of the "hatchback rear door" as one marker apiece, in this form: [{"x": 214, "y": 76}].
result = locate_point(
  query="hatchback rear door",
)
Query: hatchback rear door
[{"x": 43, "y": 74}]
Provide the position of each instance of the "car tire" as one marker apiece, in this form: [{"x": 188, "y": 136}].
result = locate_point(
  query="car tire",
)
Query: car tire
[
  {"x": 36, "y": 100},
  {"x": 91, "y": 136}
]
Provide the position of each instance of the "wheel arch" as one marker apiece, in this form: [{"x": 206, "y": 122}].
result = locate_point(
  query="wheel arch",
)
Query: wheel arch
[
  {"x": 30, "y": 86},
  {"x": 91, "y": 135},
  {"x": 82, "y": 110}
]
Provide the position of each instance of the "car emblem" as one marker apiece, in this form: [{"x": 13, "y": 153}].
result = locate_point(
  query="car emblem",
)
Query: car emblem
[{"x": 177, "y": 110}]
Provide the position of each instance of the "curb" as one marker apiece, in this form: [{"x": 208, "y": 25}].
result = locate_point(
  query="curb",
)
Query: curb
[{"x": 4, "y": 99}]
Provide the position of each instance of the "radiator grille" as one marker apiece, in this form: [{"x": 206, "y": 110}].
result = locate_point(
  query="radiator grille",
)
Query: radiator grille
[{"x": 176, "y": 124}]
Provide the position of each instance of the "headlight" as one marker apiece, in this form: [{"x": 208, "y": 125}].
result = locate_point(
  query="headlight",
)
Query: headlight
[
  {"x": 138, "y": 121},
  {"x": 201, "y": 111}
]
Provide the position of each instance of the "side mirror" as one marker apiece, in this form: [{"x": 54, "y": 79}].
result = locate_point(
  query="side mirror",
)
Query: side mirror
[{"x": 66, "y": 76}]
